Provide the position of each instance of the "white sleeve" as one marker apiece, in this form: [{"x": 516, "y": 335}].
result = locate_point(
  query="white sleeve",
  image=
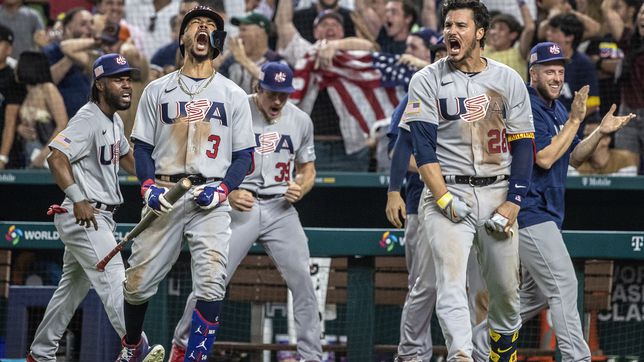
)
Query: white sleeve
[
  {"x": 306, "y": 152},
  {"x": 145, "y": 120},
  {"x": 242, "y": 124},
  {"x": 295, "y": 49},
  {"x": 75, "y": 140},
  {"x": 519, "y": 118},
  {"x": 422, "y": 100}
]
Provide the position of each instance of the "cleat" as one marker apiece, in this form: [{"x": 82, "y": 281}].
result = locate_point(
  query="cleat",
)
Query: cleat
[{"x": 141, "y": 352}]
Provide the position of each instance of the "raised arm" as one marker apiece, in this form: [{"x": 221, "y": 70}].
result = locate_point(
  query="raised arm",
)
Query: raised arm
[
  {"x": 371, "y": 18},
  {"x": 428, "y": 14},
  {"x": 612, "y": 19},
  {"x": 56, "y": 107},
  {"x": 525, "y": 40},
  {"x": 284, "y": 20}
]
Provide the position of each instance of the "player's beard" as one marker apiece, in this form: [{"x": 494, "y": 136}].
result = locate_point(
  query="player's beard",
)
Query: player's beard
[
  {"x": 467, "y": 52},
  {"x": 200, "y": 58},
  {"x": 544, "y": 91},
  {"x": 115, "y": 101}
]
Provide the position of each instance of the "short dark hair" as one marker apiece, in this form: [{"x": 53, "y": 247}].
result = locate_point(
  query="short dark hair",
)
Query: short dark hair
[
  {"x": 479, "y": 10},
  {"x": 409, "y": 9},
  {"x": 93, "y": 96},
  {"x": 69, "y": 15},
  {"x": 569, "y": 25},
  {"x": 33, "y": 68}
]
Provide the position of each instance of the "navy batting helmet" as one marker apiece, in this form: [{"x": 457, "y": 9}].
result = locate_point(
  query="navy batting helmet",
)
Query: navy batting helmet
[{"x": 217, "y": 37}]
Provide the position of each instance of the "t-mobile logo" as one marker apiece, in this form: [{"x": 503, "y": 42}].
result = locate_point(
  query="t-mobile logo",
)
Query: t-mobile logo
[{"x": 637, "y": 242}]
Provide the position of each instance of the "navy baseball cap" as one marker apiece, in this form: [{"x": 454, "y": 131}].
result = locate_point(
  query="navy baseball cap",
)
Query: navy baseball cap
[
  {"x": 6, "y": 34},
  {"x": 112, "y": 64},
  {"x": 276, "y": 77},
  {"x": 546, "y": 52}
]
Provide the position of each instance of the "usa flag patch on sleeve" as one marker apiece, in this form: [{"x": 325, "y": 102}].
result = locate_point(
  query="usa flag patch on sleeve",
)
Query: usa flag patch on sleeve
[
  {"x": 63, "y": 140},
  {"x": 413, "y": 107}
]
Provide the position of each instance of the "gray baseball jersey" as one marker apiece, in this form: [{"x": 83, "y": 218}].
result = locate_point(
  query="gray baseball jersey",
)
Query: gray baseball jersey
[
  {"x": 194, "y": 126},
  {"x": 193, "y": 134},
  {"x": 473, "y": 115},
  {"x": 93, "y": 144},
  {"x": 280, "y": 145},
  {"x": 275, "y": 223}
]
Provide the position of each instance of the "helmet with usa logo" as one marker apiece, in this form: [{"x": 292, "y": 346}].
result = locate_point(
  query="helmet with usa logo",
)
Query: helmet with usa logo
[{"x": 276, "y": 77}]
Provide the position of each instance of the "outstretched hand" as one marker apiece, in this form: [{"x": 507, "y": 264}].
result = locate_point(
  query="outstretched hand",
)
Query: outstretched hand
[
  {"x": 578, "y": 108},
  {"x": 611, "y": 123}
]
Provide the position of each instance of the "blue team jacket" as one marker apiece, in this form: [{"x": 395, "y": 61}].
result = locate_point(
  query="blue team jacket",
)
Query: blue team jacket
[{"x": 545, "y": 199}]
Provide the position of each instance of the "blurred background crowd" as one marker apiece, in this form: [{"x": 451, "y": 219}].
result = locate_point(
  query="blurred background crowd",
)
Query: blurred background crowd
[{"x": 353, "y": 60}]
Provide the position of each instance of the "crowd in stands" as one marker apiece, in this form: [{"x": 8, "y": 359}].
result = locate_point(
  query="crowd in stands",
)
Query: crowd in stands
[{"x": 353, "y": 60}]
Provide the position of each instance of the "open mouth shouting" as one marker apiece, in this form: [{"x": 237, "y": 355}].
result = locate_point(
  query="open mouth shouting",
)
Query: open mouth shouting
[
  {"x": 126, "y": 97},
  {"x": 201, "y": 41},
  {"x": 453, "y": 46}
]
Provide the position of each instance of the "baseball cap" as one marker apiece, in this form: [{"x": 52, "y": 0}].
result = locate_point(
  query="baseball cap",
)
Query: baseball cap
[
  {"x": 328, "y": 13},
  {"x": 429, "y": 36},
  {"x": 6, "y": 34},
  {"x": 112, "y": 64},
  {"x": 546, "y": 52},
  {"x": 276, "y": 77},
  {"x": 253, "y": 19}
]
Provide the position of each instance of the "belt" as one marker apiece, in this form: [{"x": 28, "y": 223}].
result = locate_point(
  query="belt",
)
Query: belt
[
  {"x": 263, "y": 197},
  {"x": 473, "y": 180},
  {"x": 195, "y": 179},
  {"x": 101, "y": 206}
]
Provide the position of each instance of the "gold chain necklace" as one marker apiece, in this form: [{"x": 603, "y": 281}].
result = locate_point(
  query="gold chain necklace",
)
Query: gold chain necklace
[{"x": 184, "y": 87}]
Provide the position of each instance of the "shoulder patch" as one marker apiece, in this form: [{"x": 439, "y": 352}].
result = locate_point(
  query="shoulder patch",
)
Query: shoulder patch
[{"x": 413, "y": 107}]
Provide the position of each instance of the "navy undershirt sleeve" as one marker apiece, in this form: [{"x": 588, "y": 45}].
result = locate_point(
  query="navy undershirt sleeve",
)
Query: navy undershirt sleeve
[
  {"x": 523, "y": 154},
  {"x": 242, "y": 162},
  {"x": 423, "y": 136},
  {"x": 143, "y": 160},
  {"x": 400, "y": 160}
]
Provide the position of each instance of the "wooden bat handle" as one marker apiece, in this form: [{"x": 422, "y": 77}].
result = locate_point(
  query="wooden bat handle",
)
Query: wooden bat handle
[{"x": 174, "y": 194}]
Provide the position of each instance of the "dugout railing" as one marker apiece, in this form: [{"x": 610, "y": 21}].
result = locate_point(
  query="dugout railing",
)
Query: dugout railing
[{"x": 348, "y": 208}]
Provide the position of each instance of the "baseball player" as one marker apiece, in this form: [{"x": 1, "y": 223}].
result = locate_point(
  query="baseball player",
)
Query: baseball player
[
  {"x": 191, "y": 123},
  {"x": 461, "y": 110},
  {"x": 85, "y": 159},
  {"x": 262, "y": 206},
  {"x": 548, "y": 274}
]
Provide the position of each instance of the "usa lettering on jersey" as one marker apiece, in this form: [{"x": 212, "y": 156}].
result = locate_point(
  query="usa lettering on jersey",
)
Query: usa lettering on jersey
[
  {"x": 195, "y": 110},
  {"x": 270, "y": 142},
  {"x": 469, "y": 109},
  {"x": 115, "y": 153}
]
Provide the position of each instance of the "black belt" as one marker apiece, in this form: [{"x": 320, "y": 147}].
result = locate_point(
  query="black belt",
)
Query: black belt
[
  {"x": 263, "y": 197},
  {"x": 474, "y": 181},
  {"x": 195, "y": 179},
  {"x": 101, "y": 206}
]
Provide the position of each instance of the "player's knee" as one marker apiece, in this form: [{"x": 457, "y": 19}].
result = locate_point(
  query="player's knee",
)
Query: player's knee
[{"x": 136, "y": 294}]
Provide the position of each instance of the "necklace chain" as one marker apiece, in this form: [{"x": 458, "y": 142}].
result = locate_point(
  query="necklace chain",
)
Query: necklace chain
[{"x": 184, "y": 87}]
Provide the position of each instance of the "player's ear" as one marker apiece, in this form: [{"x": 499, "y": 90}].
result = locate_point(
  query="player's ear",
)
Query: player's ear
[{"x": 480, "y": 33}]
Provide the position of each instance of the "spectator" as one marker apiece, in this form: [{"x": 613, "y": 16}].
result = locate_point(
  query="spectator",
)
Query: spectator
[
  {"x": 25, "y": 24},
  {"x": 11, "y": 95},
  {"x": 392, "y": 32},
  {"x": 153, "y": 18},
  {"x": 164, "y": 60},
  {"x": 332, "y": 151},
  {"x": 516, "y": 11},
  {"x": 604, "y": 160},
  {"x": 113, "y": 11},
  {"x": 42, "y": 113},
  {"x": 630, "y": 35},
  {"x": 502, "y": 45},
  {"x": 303, "y": 19},
  {"x": 249, "y": 51},
  {"x": 69, "y": 63},
  {"x": 567, "y": 30},
  {"x": 552, "y": 8}
]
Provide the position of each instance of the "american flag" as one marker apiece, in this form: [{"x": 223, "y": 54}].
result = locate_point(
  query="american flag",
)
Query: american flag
[
  {"x": 63, "y": 140},
  {"x": 393, "y": 74},
  {"x": 355, "y": 88}
]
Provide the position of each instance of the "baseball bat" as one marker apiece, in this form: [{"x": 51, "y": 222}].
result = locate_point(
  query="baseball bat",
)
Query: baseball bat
[{"x": 174, "y": 194}]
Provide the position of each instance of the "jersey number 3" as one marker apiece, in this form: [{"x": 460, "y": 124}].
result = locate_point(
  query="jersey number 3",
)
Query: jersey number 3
[
  {"x": 212, "y": 153},
  {"x": 497, "y": 142}
]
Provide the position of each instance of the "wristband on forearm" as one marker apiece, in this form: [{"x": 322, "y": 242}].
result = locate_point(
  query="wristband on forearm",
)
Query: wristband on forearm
[
  {"x": 74, "y": 193},
  {"x": 444, "y": 200}
]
